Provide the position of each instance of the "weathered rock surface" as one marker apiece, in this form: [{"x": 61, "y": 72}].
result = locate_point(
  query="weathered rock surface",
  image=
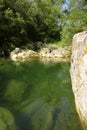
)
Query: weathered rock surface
[
  {"x": 55, "y": 52},
  {"x": 79, "y": 74},
  {"x": 19, "y": 54}
]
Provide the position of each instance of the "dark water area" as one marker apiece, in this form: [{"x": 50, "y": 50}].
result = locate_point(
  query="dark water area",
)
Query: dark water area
[{"x": 36, "y": 95}]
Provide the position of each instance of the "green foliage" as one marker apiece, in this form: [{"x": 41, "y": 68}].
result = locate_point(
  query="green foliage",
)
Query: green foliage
[
  {"x": 23, "y": 22},
  {"x": 75, "y": 21}
]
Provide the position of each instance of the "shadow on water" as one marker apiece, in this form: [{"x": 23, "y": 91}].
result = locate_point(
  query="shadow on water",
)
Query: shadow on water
[
  {"x": 24, "y": 122},
  {"x": 39, "y": 96}
]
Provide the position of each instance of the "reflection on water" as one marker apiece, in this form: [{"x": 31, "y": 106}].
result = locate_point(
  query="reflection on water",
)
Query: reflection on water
[{"x": 36, "y": 96}]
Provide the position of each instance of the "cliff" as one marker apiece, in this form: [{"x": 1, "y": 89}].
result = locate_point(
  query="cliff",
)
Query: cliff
[{"x": 79, "y": 74}]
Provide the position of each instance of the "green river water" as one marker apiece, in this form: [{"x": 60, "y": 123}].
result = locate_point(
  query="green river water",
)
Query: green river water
[{"x": 36, "y": 95}]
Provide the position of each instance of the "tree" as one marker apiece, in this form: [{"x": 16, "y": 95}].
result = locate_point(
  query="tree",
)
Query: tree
[
  {"x": 75, "y": 20},
  {"x": 26, "y": 21},
  {"x": 23, "y": 22}
]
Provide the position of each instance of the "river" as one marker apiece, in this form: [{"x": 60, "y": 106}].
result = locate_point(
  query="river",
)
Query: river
[{"x": 36, "y": 95}]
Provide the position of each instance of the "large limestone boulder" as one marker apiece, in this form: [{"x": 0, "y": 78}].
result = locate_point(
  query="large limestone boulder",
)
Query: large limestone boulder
[{"x": 79, "y": 74}]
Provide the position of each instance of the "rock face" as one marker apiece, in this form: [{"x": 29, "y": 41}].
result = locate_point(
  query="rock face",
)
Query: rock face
[{"x": 79, "y": 74}]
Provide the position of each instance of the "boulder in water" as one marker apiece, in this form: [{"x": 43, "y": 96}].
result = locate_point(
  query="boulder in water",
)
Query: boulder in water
[{"x": 79, "y": 74}]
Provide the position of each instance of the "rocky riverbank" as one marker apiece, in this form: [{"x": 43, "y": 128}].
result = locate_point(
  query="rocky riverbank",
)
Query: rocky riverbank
[{"x": 59, "y": 52}]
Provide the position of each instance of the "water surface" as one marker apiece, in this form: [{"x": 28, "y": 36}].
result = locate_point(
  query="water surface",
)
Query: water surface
[{"x": 36, "y": 95}]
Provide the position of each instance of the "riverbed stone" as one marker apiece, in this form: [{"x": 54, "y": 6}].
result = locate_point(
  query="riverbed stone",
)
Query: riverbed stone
[
  {"x": 79, "y": 74},
  {"x": 7, "y": 121}
]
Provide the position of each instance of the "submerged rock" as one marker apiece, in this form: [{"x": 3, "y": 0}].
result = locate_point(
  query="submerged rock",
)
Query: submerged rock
[
  {"x": 79, "y": 74},
  {"x": 6, "y": 120},
  {"x": 39, "y": 115}
]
